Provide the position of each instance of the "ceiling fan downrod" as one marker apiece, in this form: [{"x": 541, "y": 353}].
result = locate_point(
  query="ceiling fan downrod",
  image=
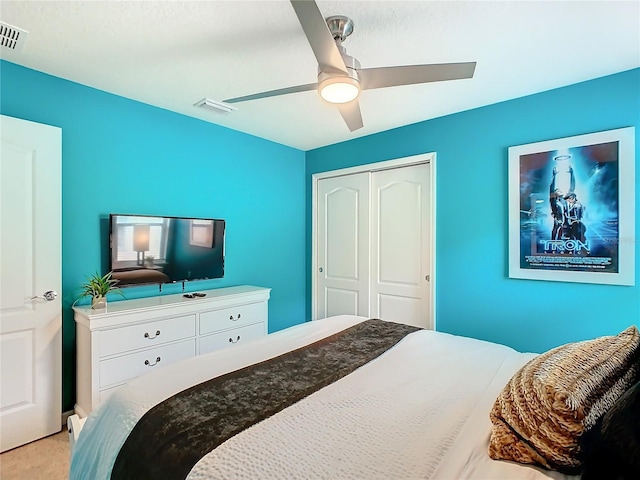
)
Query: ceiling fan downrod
[{"x": 340, "y": 27}]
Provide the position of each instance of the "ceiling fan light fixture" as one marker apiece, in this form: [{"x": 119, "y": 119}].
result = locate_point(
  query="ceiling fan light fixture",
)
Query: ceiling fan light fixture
[{"x": 339, "y": 89}]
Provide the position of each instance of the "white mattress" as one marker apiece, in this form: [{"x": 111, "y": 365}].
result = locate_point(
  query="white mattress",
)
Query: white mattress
[{"x": 420, "y": 410}]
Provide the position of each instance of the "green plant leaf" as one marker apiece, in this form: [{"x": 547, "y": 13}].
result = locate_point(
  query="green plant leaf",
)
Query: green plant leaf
[{"x": 100, "y": 285}]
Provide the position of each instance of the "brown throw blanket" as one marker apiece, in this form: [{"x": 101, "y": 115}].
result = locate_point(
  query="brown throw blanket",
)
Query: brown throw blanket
[{"x": 175, "y": 434}]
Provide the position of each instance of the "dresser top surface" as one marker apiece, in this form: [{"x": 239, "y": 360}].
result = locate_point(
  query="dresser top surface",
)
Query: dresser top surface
[{"x": 172, "y": 300}]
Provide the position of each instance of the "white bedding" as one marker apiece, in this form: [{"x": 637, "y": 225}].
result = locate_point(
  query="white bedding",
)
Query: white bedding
[{"x": 420, "y": 410}]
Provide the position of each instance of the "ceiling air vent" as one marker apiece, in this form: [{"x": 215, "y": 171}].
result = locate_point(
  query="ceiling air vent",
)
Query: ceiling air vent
[
  {"x": 12, "y": 37},
  {"x": 218, "y": 107}
]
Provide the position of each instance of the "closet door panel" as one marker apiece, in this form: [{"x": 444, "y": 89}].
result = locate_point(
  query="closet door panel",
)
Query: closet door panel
[
  {"x": 396, "y": 307},
  {"x": 340, "y": 301},
  {"x": 400, "y": 244},
  {"x": 398, "y": 217},
  {"x": 343, "y": 246}
]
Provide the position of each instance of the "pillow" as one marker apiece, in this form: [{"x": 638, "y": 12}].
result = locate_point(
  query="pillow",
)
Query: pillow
[
  {"x": 612, "y": 449},
  {"x": 547, "y": 406}
]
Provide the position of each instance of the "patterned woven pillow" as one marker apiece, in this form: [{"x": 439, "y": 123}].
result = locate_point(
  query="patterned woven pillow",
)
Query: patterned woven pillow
[{"x": 556, "y": 397}]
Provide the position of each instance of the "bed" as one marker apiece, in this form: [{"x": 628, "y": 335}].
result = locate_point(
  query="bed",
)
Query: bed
[
  {"x": 419, "y": 408},
  {"x": 140, "y": 276}
]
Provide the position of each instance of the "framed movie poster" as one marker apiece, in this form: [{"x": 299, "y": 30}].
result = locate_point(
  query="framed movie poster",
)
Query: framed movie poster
[{"x": 572, "y": 209}]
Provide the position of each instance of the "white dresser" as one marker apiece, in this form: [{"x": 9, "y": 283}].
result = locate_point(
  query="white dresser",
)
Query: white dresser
[{"x": 130, "y": 337}]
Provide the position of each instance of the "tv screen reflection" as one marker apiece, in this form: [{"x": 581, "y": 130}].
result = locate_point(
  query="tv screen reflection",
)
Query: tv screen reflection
[{"x": 151, "y": 250}]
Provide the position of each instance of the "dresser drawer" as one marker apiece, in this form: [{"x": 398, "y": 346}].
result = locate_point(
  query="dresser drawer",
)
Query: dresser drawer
[
  {"x": 133, "y": 337},
  {"x": 107, "y": 392},
  {"x": 120, "y": 369},
  {"x": 226, "y": 318},
  {"x": 217, "y": 341}
]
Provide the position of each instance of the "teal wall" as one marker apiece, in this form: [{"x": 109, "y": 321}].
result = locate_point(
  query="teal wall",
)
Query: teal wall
[
  {"x": 474, "y": 296},
  {"x": 127, "y": 157}
]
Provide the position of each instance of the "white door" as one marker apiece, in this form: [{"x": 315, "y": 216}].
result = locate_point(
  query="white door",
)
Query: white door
[
  {"x": 30, "y": 257},
  {"x": 373, "y": 248},
  {"x": 400, "y": 245},
  {"x": 342, "y": 285}
]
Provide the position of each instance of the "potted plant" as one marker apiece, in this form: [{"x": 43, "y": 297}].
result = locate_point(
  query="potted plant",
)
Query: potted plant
[
  {"x": 148, "y": 261},
  {"x": 97, "y": 287}
]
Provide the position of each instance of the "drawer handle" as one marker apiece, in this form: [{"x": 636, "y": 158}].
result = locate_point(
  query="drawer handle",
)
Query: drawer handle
[
  {"x": 146, "y": 335},
  {"x": 235, "y": 319},
  {"x": 236, "y": 340},
  {"x": 146, "y": 362}
]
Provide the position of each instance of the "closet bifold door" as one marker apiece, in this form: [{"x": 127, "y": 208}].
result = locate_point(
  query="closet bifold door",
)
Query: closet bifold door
[
  {"x": 399, "y": 288},
  {"x": 342, "y": 272}
]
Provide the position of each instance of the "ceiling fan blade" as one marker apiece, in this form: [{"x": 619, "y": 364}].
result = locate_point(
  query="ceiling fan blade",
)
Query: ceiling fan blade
[
  {"x": 322, "y": 43},
  {"x": 407, "y": 75},
  {"x": 351, "y": 114},
  {"x": 274, "y": 93}
]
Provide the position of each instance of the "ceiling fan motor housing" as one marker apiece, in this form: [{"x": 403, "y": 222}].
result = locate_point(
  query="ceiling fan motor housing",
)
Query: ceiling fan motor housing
[
  {"x": 350, "y": 81},
  {"x": 352, "y": 64}
]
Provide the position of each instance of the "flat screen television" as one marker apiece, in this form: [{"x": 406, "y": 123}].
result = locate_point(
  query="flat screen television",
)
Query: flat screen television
[{"x": 147, "y": 250}]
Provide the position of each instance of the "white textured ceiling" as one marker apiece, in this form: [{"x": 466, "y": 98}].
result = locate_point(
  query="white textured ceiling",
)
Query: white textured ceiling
[{"x": 173, "y": 53}]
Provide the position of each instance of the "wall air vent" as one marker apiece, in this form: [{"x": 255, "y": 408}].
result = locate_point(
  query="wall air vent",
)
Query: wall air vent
[
  {"x": 218, "y": 107},
  {"x": 12, "y": 38}
]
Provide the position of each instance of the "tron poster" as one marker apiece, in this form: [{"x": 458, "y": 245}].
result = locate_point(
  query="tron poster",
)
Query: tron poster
[{"x": 573, "y": 208}]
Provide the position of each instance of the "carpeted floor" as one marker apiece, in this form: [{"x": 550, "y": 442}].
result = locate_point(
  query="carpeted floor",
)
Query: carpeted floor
[{"x": 46, "y": 459}]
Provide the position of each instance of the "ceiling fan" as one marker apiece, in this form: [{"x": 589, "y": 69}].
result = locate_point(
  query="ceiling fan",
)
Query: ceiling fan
[{"x": 340, "y": 77}]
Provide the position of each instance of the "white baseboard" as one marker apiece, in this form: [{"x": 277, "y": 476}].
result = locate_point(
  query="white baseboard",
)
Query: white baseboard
[{"x": 65, "y": 417}]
